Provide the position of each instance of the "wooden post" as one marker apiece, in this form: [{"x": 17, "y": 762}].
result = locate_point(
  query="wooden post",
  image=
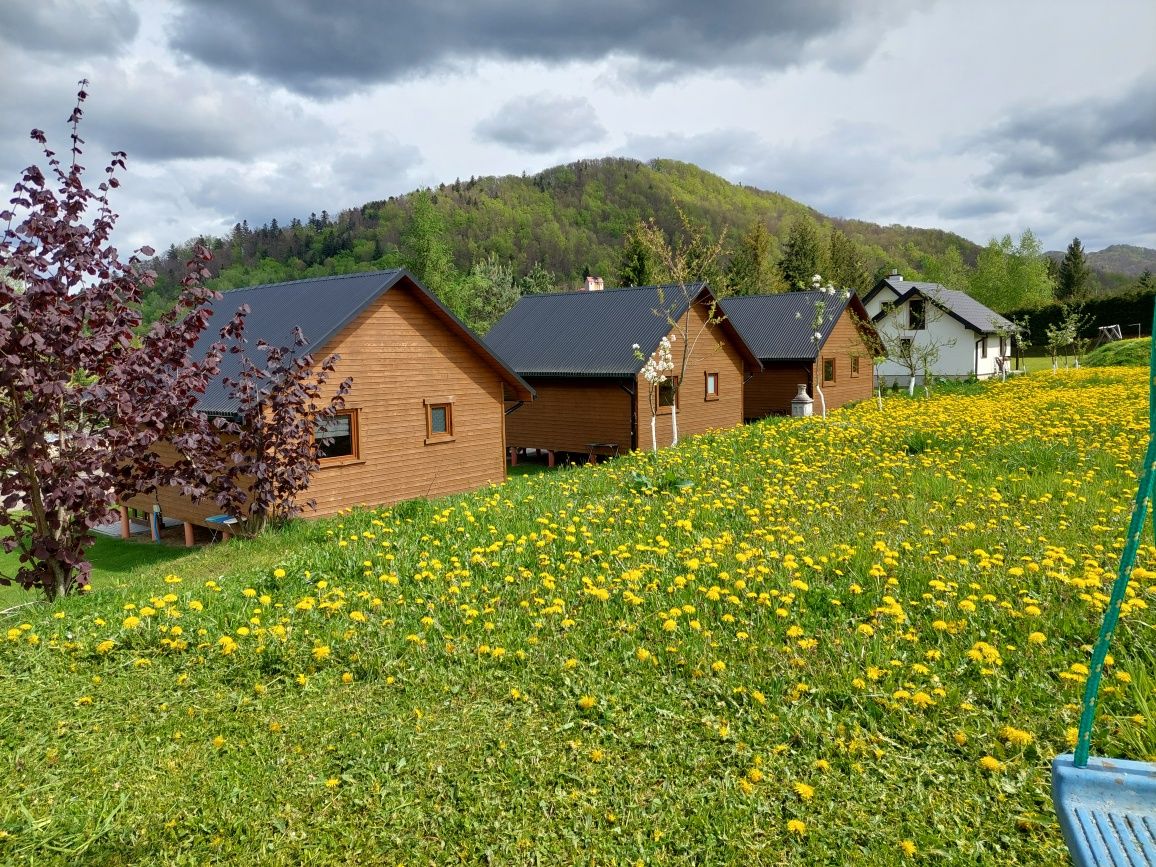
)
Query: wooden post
[
  {"x": 188, "y": 534},
  {"x": 513, "y": 456},
  {"x": 125, "y": 525},
  {"x": 226, "y": 535},
  {"x": 550, "y": 458},
  {"x": 155, "y": 524}
]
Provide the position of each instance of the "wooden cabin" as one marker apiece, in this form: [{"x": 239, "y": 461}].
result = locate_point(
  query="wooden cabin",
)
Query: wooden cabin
[
  {"x": 779, "y": 329},
  {"x": 576, "y": 350},
  {"x": 425, "y": 416}
]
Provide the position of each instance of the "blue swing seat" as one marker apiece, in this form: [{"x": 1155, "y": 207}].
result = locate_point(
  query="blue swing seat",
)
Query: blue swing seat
[
  {"x": 1107, "y": 807},
  {"x": 1107, "y": 810}
]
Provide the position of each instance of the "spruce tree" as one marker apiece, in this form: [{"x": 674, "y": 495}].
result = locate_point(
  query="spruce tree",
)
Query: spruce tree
[
  {"x": 802, "y": 255},
  {"x": 1075, "y": 274}
]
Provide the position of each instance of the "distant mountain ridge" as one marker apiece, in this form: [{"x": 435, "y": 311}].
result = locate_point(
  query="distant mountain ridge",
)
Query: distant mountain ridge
[{"x": 1123, "y": 259}]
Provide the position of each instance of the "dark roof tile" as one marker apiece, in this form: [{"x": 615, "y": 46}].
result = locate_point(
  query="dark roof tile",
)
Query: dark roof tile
[{"x": 320, "y": 307}]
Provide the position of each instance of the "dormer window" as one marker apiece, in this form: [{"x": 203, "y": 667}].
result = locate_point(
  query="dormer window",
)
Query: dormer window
[{"x": 916, "y": 314}]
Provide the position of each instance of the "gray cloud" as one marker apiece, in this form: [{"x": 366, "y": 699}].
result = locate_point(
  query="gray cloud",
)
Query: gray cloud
[
  {"x": 77, "y": 28},
  {"x": 848, "y": 172},
  {"x": 156, "y": 114},
  {"x": 542, "y": 123},
  {"x": 974, "y": 206},
  {"x": 298, "y": 185},
  {"x": 1047, "y": 142},
  {"x": 320, "y": 48}
]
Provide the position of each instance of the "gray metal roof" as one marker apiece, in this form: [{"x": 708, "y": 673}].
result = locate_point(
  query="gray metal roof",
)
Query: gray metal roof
[
  {"x": 589, "y": 334},
  {"x": 778, "y": 327},
  {"x": 959, "y": 305},
  {"x": 321, "y": 307}
]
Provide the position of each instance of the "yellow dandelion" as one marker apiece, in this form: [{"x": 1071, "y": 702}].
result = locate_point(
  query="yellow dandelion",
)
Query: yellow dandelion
[
  {"x": 991, "y": 764},
  {"x": 797, "y": 827},
  {"x": 321, "y": 652},
  {"x": 804, "y": 791},
  {"x": 587, "y": 702}
]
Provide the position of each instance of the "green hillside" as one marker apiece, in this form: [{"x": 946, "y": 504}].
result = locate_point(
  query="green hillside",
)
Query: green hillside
[
  {"x": 565, "y": 220},
  {"x": 791, "y": 662}
]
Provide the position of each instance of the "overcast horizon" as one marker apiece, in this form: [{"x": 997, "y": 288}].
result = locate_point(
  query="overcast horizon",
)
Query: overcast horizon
[{"x": 980, "y": 118}]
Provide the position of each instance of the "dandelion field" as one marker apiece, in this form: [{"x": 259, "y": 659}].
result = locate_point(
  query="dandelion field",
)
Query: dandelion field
[{"x": 858, "y": 640}]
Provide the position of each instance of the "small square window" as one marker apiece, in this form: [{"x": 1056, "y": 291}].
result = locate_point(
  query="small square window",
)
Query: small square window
[
  {"x": 336, "y": 437},
  {"x": 439, "y": 420},
  {"x": 668, "y": 392},
  {"x": 854, "y": 365},
  {"x": 712, "y": 386},
  {"x": 828, "y": 370}
]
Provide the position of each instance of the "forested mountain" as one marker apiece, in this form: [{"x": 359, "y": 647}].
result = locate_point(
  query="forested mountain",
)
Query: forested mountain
[
  {"x": 482, "y": 242},
  {"x": 568, "y": 220}
]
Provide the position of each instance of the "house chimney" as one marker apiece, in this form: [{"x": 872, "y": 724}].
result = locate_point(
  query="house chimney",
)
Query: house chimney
[
  {"x": 593, "y": 284},
  {"x": 896, "y": 276}
]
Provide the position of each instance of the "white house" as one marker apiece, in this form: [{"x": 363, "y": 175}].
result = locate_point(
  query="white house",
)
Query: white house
[{"x": 926, "y": 325}]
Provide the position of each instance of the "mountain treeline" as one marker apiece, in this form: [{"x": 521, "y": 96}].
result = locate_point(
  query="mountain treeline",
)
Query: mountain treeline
[{"x": 481, "y": 243}]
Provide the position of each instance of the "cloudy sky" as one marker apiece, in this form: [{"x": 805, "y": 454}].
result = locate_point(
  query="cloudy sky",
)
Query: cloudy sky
[{"x": 979, "y": 116}]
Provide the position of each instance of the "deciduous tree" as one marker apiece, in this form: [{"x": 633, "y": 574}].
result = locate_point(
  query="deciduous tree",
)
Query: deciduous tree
[
  {"x": 80, "y": 390},
  {"x": 267, "y": 453}
]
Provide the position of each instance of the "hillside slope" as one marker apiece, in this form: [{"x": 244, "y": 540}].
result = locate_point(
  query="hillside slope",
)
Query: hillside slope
[{"x": 568, "y": 219}]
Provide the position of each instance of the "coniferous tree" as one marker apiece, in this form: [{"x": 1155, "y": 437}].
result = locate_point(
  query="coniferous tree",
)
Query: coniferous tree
[
  {"x": 752, "y": 269},
  {"x": 1075, "y": 273},
  {"x": 636, "y": 266},
  {"x": 845, "y": 268},
  {"x": 802, "y": 255}
]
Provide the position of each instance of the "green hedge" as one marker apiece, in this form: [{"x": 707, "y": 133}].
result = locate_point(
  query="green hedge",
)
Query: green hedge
[{"x": 1123, "y": 310}]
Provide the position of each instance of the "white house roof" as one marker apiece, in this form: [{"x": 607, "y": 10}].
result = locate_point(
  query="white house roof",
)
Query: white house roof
[{"x": 959, "y": 305}]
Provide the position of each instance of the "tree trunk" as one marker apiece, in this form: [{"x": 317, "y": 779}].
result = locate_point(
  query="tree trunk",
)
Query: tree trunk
[{"x": 674, "y": 422}]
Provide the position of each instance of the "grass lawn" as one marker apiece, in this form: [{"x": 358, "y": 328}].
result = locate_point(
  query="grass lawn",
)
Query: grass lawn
[
  {"x": 113, "y": 561},
  {"x": 852, "y": 641}
]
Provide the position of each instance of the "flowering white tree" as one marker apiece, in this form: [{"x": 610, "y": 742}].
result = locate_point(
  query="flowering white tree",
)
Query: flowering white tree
[
  {"x": 826, "y": 293},
  {"x": 656, "y": 370},
  {"x": 687, "y": 261}
]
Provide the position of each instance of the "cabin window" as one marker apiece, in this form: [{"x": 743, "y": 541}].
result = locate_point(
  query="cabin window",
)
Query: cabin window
[
  {"x": 712, "y": 386},
  {"x": 983, "y": 347},
  {"x": 854, "y": 365},
  {"x": 916, "y": 314},
  {"x": 439, "y": 420},
  {"x": 336, "y": 437},
  {"x": 668, "y": 392},
  {"x": 905, "y": 348},
  {"x": 828, "y": 370}
]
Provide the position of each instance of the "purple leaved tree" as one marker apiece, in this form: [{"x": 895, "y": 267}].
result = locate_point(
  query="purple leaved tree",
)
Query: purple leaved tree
[
  {"x": 79, "y": 383},
  {"x": 268, "y": 450}
]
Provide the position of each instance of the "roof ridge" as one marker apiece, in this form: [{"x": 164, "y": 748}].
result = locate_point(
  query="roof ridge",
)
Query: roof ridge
[
  {"x": 619, "y": 289},
  {"x": 300, "y": 280}
]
